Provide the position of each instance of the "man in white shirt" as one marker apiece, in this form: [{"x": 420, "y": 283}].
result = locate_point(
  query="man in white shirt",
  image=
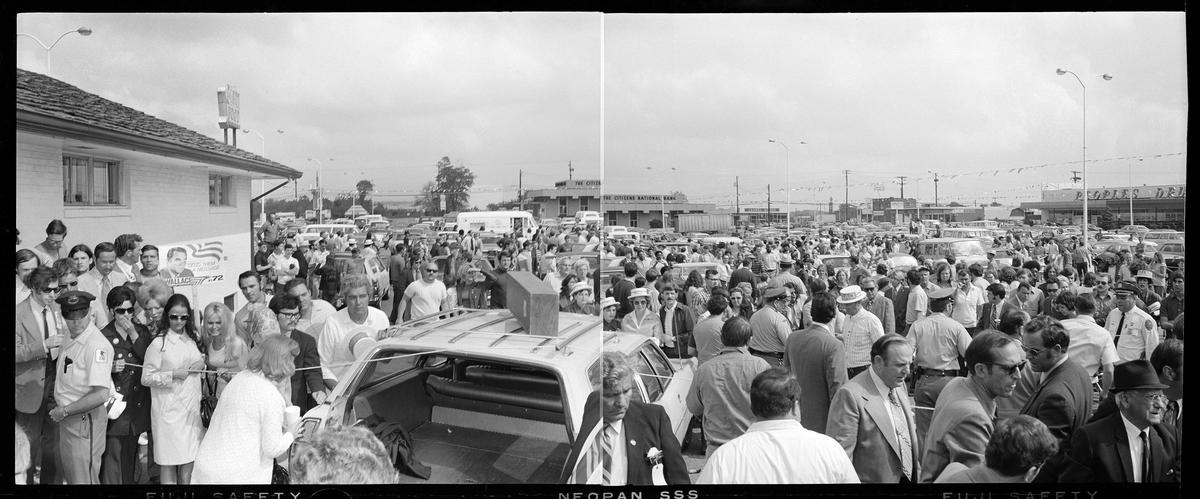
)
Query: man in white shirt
[
  {"x": 776, "y": 449},
  {"x": 101, "y": 279},
  {"x": 1135, "y": 332},
  {"x": 426, "y": 296},
  {"x": 1091, "y": 345},
  {"x": 285, "y": 265},
  {"x": 313, "y": 312},
  {"x": 859, "y": 330},
  {"x": 968, "y": 303},
  {"x": 357, "y": 317}
]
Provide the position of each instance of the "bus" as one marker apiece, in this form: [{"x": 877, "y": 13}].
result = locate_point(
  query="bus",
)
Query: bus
[{"x": 521, "y": 223}]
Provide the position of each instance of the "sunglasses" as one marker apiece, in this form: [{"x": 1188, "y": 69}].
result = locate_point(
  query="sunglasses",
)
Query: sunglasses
[
  {"x": 123, "y": 310},
  {"x": 53, "y": 290},
  {"x": 431, "y": 270},
  {"x": 1010, "y": 370},
  {"x": 183, "y": 317},
  {"x": 1032, "y": 352}
]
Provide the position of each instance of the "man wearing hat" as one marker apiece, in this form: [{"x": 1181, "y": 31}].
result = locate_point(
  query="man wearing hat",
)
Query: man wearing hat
[
  {"x": 1131, "y": 445},
  {"x": 785, "y": 276},
  {"x": 1147, "y": 299},
  {"x": 770, "y": 327},
  {"x": 860, "y": 329},
  {"x": 1134, "y": 331},
  {"x": 939, "y": 341},
  {"x": 81, "y": 389}
]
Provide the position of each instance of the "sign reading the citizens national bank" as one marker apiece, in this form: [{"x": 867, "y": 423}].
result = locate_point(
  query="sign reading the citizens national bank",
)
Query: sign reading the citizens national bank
[{"x": 1177, "y": 191}]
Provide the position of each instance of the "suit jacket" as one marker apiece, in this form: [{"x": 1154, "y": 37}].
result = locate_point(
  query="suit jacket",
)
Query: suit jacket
[
  {"x": 819, "y": 363},
  {"x": 1063, "y": 402},
  {"x": 32, "y": 384},
  {"x": 859, "y": 421},
  {"x": 741, "y": 275},
  {"x": 683, "y": 324},
  {"x": 646, "y": 426},
  {"x": 136, "y": 417},
  {"x": 308, "y": 380},
  {"x": 986, "y": 321},
  {"x": 961, "y": 427},
  {"x": 1100, "y": 453}
]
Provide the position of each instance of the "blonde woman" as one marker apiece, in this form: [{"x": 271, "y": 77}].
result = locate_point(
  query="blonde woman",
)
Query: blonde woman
[
  {"x": 249, "y": 429},
  {"x": 227, "y": 352}
]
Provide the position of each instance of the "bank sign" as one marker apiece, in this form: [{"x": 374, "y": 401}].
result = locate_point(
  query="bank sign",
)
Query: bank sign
[{"x": 1177, "y": 191}]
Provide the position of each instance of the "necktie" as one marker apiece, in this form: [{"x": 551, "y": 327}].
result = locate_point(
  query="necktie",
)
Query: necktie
[
  {"x": 1146, "y": 478},
  {"x": 901, "y": 427},
  {"x": 596, "y": 457},
  {"x": 46, "y": 322},
  {"x": 1117, "y": 336},
  {"x": 105, "y": 287},
  {"x": 607, "y": 439}
]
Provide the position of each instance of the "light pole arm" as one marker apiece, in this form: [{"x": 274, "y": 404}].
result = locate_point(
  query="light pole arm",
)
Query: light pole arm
[{"x": 39, "y": 42}]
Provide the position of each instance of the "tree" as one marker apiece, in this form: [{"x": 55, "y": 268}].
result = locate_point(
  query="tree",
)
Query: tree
[
  {"x": 954, "y": 203},
  {"x": 364, "y": 188},
  {"x": 451, "y": 184}
]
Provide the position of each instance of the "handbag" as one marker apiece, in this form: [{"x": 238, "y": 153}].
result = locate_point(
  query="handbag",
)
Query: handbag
[
  {"x": 279, "y": 475},
  {"x": 208, "y": 399}
]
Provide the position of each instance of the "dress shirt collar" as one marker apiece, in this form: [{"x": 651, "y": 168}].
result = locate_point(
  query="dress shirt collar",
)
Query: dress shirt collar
[
  {"x": 1060, "y": 362},
  {"x": 879, "y": 385},
  {"x": 1131, "y": 430},
  {"x": 775, "y": 425},
  {"x": 823, "y": 326},
  {"x": 742, "y": 350}
]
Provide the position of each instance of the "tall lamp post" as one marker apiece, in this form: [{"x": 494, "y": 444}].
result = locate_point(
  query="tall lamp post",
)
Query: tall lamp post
[
  {"x": 319, "y": 195},
  {"x": 82, "y": 30},
  {"x": 662, "y": 200},
  {"x": 787, "y": 181},
  {"x": 1106, "y": 77}
]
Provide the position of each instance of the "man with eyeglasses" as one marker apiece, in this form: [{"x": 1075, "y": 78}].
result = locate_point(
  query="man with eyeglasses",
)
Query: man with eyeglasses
[
  {"x": 1102, "y": 294},
  {"x": 1131, "y": 445},
  {"x": 129, "y": 342},
  {"x": 1134, "y": 331},
  {"x": 306, "y": 379},
  {"x": 39, "y": 329},
  {"x": 878, "y": 304},
  {"x": 83, "y": 385},
  {"x": 963, "y": 418},
  {"x": 425, "y": 296},
  {"x": 49, "y": 250},
  {"x": 1063, "y": 400}
]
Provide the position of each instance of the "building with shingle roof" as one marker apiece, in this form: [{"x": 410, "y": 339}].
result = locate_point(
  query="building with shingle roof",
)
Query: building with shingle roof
[{"x": 106, "y": 169}]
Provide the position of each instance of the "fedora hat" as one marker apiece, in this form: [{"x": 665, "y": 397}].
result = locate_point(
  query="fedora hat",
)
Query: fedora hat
[
  {"x": 851, "y": 294},
  {"x": 1135, "y": 375}
]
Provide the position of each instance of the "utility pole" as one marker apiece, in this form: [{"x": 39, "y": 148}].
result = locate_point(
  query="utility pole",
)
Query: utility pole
[
  {"x": 1075, "y": 177},
  {"x": 768, "y": 204},
  {"x": 570, "y": 171},
  {"x": 737, "y": 201},
  {"x": 902, "y": 179},
  {"x": 935, "y": 188},
  {"x": 847, "y": 205},
  {"x": 520, "y": 192}
]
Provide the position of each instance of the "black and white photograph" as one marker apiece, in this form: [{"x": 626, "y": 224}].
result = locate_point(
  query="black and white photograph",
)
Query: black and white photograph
[{"x": 590, "y": 254}]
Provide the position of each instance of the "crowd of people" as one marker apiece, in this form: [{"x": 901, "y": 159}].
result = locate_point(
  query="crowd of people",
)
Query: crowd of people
[
  {"x": 109, "y": 342},
  {"x": 942, "y": 372}
]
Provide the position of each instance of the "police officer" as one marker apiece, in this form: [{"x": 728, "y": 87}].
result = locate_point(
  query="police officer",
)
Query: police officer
[
  {"x": 81, "y": 390},
  {"x": 129, "y": 342},
  {"x": 1134, "y": 330},
  {"x": 940, "y": 343}
]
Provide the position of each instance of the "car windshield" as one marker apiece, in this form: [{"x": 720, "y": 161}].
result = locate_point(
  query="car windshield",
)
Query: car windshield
[{"x": 971, "y": 248}]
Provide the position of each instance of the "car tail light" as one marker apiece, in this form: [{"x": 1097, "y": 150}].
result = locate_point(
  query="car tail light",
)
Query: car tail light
[{"x": 307, "y": 426}]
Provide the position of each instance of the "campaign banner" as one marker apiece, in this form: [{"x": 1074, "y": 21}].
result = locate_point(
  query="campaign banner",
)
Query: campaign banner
[{"x": 205, "y": 270}]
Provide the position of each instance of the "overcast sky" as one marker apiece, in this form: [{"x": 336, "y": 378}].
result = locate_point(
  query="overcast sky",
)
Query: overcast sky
[
  {"x": 889, "y": 94},
  {"x": 384, "y": 95}
]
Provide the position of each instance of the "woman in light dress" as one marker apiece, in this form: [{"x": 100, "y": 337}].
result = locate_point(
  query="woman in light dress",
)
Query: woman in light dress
[
  {"x": 641, "y": 320},
  {"x": 173, "y": 362}
]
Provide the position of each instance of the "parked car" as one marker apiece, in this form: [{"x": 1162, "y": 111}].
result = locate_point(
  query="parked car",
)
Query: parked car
[
  {"x": 964, "y": 250},
  {"x": 901, "y": 261},
  {"x": 1172, "y": 252},
  {"x": 486, "y": 402}
]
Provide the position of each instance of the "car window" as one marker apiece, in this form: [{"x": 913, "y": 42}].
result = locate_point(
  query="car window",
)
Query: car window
[
  {"x": 383, "y": 370},
  {"x": 647, "y": 375},
  {"x": 662, "y": 367}
]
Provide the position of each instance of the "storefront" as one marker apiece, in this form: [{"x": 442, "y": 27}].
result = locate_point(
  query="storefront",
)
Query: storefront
[{"x": 1155, "y": 206}]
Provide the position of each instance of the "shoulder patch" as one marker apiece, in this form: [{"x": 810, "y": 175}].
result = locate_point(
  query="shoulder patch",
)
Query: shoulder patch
[
  {"x": 101, "y": 356},
  {"x": 1149, "y": 325}
]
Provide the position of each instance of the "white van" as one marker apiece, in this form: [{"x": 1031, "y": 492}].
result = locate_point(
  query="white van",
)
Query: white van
[
  {"x": 588, "y": 218},
  {"x": 499, "y": 222}
]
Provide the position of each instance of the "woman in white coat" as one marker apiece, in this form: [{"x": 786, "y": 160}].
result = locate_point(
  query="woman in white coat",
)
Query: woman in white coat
[
  {"x": 248, "y": 428},
  {"x": 172, "y": 365}
]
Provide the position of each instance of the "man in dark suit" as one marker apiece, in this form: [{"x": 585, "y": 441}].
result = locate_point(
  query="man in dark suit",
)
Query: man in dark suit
[
  {"x": 679, "y": 325},
  {"x": 307, "y": 380},
  {"x": 818, "y": 361},
  {"x": 1131, "y": 445},
  {"x": 129, "y": 341},
  {"x": 1167, "y": 360},
  {"x": 989, "y": 318},
  {"x": 743, "y": 274},
  {"x": 623, "y": 441},
  {"x": 622, "y": 288},
  {"x": 1063, "y": 400},
  {"x": 40, "y": 331},
  {"x": 872, "y": 419}
]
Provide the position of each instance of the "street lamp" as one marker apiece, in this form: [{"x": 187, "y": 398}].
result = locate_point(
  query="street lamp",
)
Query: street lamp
[
  {"x": 261, "y": 138},
  {"x": 787, "y": 181},
  {"x": 662, "y": 201},
  {"x": 82, "y": 30},
  {"x": 1106, "y": 77},
  {"x": 319, "y": 195}
]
